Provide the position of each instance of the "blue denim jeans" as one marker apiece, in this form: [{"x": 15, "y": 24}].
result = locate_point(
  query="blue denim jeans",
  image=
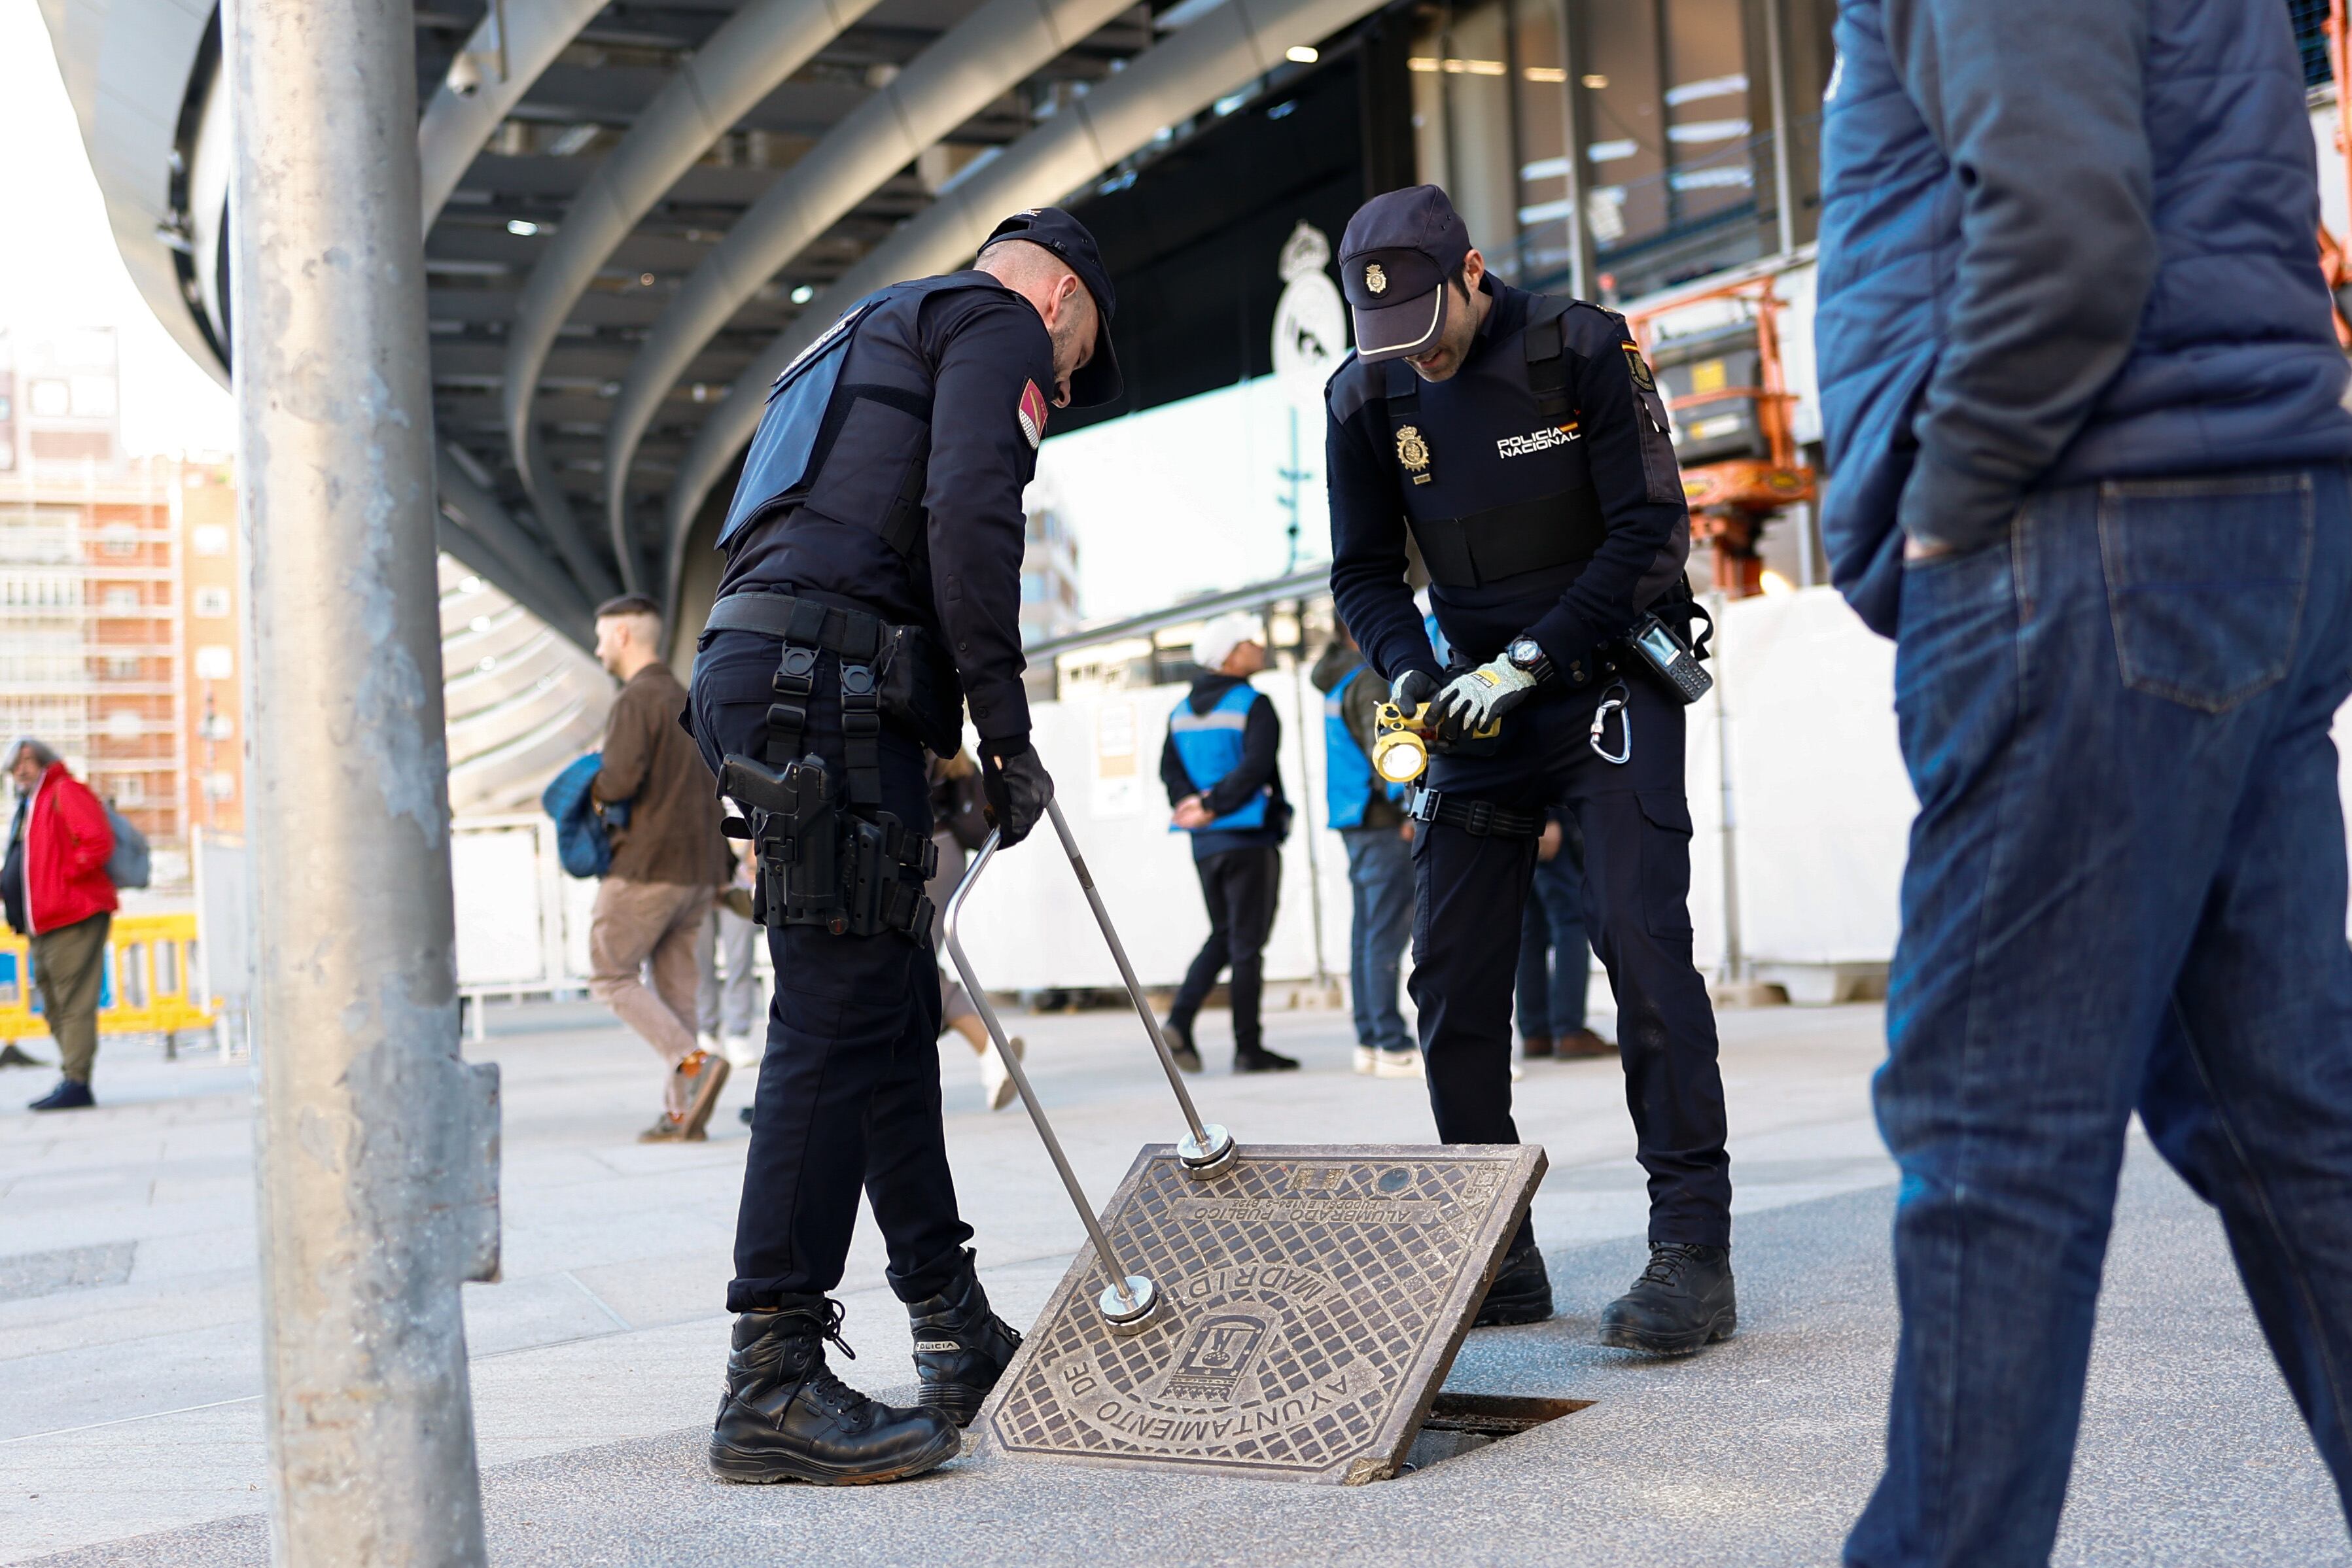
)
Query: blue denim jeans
[
  {"x": 1555, "y": 955},
  {"x": 2126, "y": 893},
  {"x": 1379, "y": 878}
]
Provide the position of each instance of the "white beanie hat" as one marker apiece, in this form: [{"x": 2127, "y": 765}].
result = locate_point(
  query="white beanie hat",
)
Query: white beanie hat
[{"x": 1219, "y": 638}]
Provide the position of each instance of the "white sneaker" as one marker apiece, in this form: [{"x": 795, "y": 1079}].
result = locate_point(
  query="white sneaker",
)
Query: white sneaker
[
  {"x": 742, "y": 1050},
  {"x": 1366, "y": 1060},
  {"x": 1397, "y": 1064},
  {"x": 994, "y": 1079}
]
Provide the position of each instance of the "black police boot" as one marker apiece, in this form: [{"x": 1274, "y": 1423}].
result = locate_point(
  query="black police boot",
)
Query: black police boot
[
  {"x": 1682, "y": 1300},
  {"x": 1263, "y": 1060},
  {"x": 1521, "y": 1294},
  {"x": 960, "y": 1347},
  {"x": 786, "y": 1417}
]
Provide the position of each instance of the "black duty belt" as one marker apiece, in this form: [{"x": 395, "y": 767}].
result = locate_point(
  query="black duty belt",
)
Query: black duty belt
[
  {"x": 1479, "y": 819},
  {"x": 1504, "y": 542}
]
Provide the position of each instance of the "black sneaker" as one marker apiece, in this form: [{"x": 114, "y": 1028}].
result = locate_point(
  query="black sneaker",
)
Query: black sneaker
[
  {"x": 1521, "y": 1292},
  {"x": 786, "y": 1417},
  {"x": 1264, "y": 1061},
  {"x": 961, "y": 1348},
  {"x": 1180, "y": 1045},
  {"x": 70, "y": 1094},
  {"x": 1682, "y": 1300}
]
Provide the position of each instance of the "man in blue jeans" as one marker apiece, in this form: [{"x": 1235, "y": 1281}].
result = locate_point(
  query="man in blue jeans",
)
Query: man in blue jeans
[
  {"x": 2081, "y": 398},
  {"x": 1379, "y": 838},
  {"x": 1555, "y": 955}
]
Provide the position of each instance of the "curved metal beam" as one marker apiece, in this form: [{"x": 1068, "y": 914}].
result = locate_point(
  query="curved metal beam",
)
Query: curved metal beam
[
  {"x": 467, "y": 547},
  {"x": 967, "y": 66},
  {"x": 1238, "y": 40},
  {"x": 523, "y": 561},
  {"x": 456, "y": 128},
  {"x": 743, "y": 61}
]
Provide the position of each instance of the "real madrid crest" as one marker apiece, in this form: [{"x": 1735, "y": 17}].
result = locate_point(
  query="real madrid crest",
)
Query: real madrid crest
[
  {"x": 1414, "y": 453},
  {"x": 1375, "y": 279}
]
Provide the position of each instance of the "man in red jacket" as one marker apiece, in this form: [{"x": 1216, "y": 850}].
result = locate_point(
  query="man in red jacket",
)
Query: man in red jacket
[{"x": 55, "y": 891}]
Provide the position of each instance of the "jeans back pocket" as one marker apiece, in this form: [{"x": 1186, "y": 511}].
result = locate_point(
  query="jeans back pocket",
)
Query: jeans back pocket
[{"x": 2205, "y": 583}]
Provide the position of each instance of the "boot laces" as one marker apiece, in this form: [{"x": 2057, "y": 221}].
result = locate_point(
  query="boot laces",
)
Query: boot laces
[
  {"x": 819, "y": 1379},
  {"x": 1667, "y": 1262}
]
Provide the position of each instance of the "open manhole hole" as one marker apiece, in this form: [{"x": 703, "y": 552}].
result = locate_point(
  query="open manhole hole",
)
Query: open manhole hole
[{"x": 1459, "y": 1423}]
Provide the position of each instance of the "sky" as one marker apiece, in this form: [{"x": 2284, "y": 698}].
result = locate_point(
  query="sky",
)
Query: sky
[
  {"x": 1164, "y": 505},
  {"x": 59, "y": 267}
]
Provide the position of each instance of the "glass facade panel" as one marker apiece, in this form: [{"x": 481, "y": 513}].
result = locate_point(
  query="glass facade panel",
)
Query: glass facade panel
[
  {"x": 1625, "y": 145},
  {"x": 1547, "y": 238}
]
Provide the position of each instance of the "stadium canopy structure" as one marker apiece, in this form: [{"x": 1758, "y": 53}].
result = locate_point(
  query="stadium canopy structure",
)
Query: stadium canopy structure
[{"x": 635, "y": 212}]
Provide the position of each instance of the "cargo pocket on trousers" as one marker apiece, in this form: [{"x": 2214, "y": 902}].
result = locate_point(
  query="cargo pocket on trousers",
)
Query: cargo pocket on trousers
[
  {"x": 2205, "y": 583},
  {"x": 1665, "y": 863}
]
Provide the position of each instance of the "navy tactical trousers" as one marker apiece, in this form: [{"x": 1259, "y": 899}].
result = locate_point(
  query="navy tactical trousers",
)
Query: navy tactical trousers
[
  {"x": 1465, "y": 941},
  {"x": 849, "y": 1088},
  {"x": 2126, "y": 893}
]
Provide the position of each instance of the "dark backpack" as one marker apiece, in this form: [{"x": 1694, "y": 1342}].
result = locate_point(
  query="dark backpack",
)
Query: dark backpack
[
  {"x": 582, "y": 841},
  {"x": 130, "y": 864}
]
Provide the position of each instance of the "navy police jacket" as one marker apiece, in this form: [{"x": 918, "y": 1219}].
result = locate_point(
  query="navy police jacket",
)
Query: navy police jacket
[
  {"x": 2060, "y": 244},
  {"x": 1539, "y": 480},
  {"x": 914, "y": 511}
]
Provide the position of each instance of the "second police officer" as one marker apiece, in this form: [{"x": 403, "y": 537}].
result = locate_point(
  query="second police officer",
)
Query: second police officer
[
  {"x": 872, "y": 589},
  {"x": 1519, "y": 442}
]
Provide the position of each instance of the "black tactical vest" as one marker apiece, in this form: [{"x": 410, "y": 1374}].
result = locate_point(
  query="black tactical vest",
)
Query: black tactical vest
[
  {"x": 866, "y": 460},
  {"x": 1491, "y": 464}
]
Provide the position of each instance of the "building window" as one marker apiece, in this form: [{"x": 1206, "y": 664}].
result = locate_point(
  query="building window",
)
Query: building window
[
  {"x": 220, "y": 784},
  {"x": 212, "y": 603},
  {"x": 120, "y": 597},
  {"x": 215, "y": 662},
  {"x": 119, "y": 539},
  {"x": 123, "y": 666},
  {"x": 127, "y": 788},
  {"x": 211, "y": 539}
]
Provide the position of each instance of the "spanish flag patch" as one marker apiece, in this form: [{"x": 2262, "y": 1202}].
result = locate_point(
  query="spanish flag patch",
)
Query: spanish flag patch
[{"x": 1033, "y": 413}]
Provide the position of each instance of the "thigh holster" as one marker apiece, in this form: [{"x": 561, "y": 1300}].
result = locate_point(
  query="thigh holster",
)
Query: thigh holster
[{"x": 828, "y": 854}]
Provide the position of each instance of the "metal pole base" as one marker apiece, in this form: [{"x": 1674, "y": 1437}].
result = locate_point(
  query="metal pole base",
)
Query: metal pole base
[
  {"x": 1212, "y": 1154},
  {"x": 1135, "y": 1312}
]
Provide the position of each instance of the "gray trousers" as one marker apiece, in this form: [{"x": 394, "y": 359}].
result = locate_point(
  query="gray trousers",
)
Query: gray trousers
[
  {"x": 727, "y": 1000},
  {"x": 67, "y": 965}
]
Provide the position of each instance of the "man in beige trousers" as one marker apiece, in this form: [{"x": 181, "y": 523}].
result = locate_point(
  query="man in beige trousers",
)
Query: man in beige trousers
[{"x": 652, "y": 904}]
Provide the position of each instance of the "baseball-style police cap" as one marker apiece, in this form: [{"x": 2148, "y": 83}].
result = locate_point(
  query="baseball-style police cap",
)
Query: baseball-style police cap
[
  {"x": 1394, "y": 259},
  {"x": 1098, "y": 381}
]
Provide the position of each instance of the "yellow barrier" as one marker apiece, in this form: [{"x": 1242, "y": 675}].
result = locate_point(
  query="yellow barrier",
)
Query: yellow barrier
[{"x": 148, "y": 987}]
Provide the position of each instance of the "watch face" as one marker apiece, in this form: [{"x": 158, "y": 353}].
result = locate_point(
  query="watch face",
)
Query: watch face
[{"x": 1527, "y": 652}]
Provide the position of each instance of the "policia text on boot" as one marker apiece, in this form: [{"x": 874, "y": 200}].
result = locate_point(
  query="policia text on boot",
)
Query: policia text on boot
[
  {"x": 1519, "y": 441},
  {"x": 872, "y": 589}
]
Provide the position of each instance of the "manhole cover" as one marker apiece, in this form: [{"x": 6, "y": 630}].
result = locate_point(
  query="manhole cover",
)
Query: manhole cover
[{"x": 1315, "y": 1297}]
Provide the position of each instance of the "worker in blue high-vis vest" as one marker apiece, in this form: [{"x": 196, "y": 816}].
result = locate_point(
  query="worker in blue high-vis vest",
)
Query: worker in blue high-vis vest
[
  {"x": 1220, "y": 768},
  {"x": 1372, "y": 822}
]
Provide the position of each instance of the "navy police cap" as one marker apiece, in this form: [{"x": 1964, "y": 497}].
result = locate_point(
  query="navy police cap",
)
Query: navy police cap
[
  {"x": 1098, "y": 381},
  {"x": 1394, "y": 259}
]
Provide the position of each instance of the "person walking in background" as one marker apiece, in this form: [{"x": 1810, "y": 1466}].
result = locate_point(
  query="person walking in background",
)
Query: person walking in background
[
  {"x": 1555, "y": 955},
  {"x": 958, "y": 827},
  {"x": 1380, "y": 856},
  {"x": 55, "y": 889},
  {"x": 1220, "y": 768},
  {"x": 2081, "y": 395},
  {"x": 730, "y": 1018},
  {"x": 652, "y": 905}
]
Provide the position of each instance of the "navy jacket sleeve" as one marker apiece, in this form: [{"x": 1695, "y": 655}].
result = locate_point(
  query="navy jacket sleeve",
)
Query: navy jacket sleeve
[
  {"x": 1368, "y": 533},
  {"x": 989, "y": 348},
  {"x": 1172, "y": 774},
  {"x": 1634, "y": 479},
  {"x": 1261, "y": 747},
  {"x": 2040, "y": 109}
]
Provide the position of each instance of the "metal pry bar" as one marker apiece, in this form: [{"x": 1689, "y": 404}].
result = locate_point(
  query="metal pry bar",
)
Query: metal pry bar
[
  {"x": 1132, "y": 1300},
  {"x": 1207, "y": 1149}
]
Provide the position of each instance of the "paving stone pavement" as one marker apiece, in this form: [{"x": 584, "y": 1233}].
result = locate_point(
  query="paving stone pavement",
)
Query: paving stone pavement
[{"x": 129, "y": 1419}]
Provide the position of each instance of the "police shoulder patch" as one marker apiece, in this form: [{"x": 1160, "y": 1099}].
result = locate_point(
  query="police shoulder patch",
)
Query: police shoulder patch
[
  {"x": 1032, "y": 414},
  {"x": 1640, "y": 367}
]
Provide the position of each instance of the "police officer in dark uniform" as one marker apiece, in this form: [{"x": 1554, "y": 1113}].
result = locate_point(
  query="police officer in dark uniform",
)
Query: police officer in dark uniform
[
  {"x": 872, "y": 589},
  {"x": 1518, "y": 440}
]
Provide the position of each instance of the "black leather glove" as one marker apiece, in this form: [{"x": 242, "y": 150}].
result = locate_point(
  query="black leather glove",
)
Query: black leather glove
[
  {"x": 1017, "y": 787},
  {"x": 1411, "y": 691}
]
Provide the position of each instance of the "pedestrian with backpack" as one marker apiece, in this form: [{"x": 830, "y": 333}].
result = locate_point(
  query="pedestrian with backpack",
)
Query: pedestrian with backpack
[{"x": 55, "y": 888}]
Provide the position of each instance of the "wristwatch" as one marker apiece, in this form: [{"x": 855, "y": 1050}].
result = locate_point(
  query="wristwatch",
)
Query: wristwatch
[{"x": 1527, "y": 654}]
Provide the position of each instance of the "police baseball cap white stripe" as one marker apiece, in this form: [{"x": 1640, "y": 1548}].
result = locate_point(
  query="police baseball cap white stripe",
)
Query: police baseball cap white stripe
[
  {"x": 1098, "y": 382},
  {"x": 1394, "y": 259}
]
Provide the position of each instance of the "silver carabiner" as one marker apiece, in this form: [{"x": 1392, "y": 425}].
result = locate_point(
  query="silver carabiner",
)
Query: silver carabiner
[{"x": 1613, "y": 698}]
